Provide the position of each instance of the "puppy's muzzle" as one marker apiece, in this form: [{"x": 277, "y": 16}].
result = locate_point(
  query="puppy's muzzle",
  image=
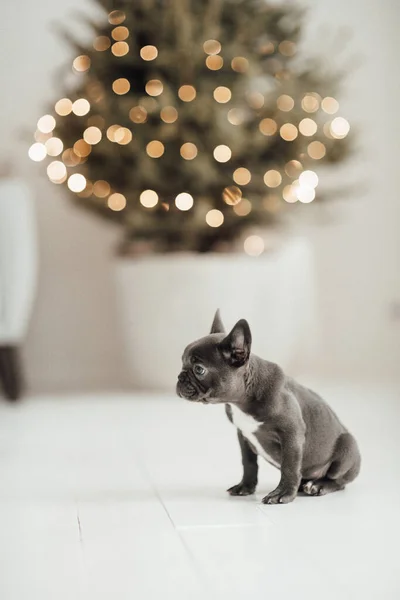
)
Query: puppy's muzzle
[
  {"x": 182, "y": 376},
  {"x": 185, "y": 388}
]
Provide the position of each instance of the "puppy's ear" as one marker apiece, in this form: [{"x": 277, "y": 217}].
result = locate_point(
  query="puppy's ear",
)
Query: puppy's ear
[
  {"x": 236, "y": 346},
  {"x": 217, "y": 325}
]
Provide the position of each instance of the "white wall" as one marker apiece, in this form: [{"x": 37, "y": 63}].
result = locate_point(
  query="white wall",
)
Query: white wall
[
  {"x": 358, "y": 255},
  {"x": 74, "y": 342}
]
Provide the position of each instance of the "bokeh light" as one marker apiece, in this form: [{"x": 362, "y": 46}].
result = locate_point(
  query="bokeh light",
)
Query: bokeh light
[
  {"x": 288, "y": 132},
  {"x": 148, "y": 52},
  {"x": 310, "y": 103},
  {"x": 123, "y": 136},
  {"x": 56, "y": 171},
  {"x": 327, "y": 130},
  {"x": 138, "y": 114},
  {"x": 214, "y": 218},
  {"x": 232, "y": 195},
  {"x": 254, "y": 245},
  {"x": 37, "y": 152},
  {"x": 316, "y": 150},
  {"x": 235, "y": 116},
  {"x": 214, "y": 63},
  {"x": 116, "y": 202},
  {"x": 82, "y": 148},
  {"x": 154, "y": 87},
  {"x": 76, "y": 182},
  {"x": 188, "y": 151},
  {"x": 120, "y": 48},
  {"x": 121, "y": 86},
  {"x": 307, "y": 127},
  {"x": 46, "y": 123},
  {"x": 184, "y": 201},
  {"x": 305, "y": 194},
  {"x": 149, "y": 198},
  {"x": 155, "y": 149},
  {"x": 330, "y": 105},
  {"x": 222, "y": 94},
  {"x": 169, "y": 114},
  {"x": 101, "y": 43},
  {"x": 81, "y": 63},
  {"x": 101, "y": 188},
  {"x": 289, "y": 194},
  {"x": 308, "y": 179},
  {"x": 339, "y": 128},
  {"x": 293, "y": 168},
  {"x": 287, "y": 48},
  {"x": 255, "y": 100},
  {"x": 243, "y": 208},
  {"x": 285, "y": 103},
  {"x": 242, "y": 176},
  {"x": 222, "y": 153},
  {"x": 187, "y": 93},
  {"x": 267, "y": 48},
  {"x": 272, "y": 178},
  {"x": 63, "y": 107},
  {"x": 240, "y": 64},
  {"x": 81, "y": 107},
  {"x": 92, "y": 135},
  {"x": 54, "y": 146},
  {"x": 70, "y": 158},
  {"x": 120, "y": 33},
  {"x": 268, "y": 127},
  {"x": 111, "y": 131},
  {"x": 212, "y": 47},
  {"x": 116, "y": 17}
]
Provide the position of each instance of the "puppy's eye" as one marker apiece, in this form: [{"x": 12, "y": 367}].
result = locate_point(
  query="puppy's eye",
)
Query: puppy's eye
[{"x": 199, "y": 370}]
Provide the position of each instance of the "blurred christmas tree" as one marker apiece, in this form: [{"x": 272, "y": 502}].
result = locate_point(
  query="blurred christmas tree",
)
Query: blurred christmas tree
[{"x": 192, "y": 120}]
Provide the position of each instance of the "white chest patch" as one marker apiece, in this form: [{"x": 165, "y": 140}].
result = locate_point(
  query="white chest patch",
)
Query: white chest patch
[{"x": 248, "y": 426}]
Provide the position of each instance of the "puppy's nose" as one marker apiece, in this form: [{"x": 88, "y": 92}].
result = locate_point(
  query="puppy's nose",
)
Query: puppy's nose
[{"x": 182, "y": 376}]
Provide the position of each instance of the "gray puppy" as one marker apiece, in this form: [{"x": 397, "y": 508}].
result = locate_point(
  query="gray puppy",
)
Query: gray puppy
[{"x": 276, "y": 417}]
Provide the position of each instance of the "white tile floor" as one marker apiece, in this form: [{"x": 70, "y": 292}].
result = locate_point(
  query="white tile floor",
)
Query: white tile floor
[{"x": 123, "y": 497}]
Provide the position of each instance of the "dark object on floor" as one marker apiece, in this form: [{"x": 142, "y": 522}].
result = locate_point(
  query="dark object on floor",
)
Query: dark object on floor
[{"x": 10, "y": 372}]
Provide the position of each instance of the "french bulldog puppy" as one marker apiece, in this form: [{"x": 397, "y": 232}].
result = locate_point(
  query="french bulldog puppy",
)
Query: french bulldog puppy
[{"x": 276, "y": 418}]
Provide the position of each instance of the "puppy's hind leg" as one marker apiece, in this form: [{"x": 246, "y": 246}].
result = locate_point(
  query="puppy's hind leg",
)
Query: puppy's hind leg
[
  {"x": 345, "y": 467},
  {"x": 346, "y": 461}
]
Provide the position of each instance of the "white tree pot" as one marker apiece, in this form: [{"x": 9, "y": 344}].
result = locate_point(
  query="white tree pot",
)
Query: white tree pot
[{"x": 168, "y": 301}]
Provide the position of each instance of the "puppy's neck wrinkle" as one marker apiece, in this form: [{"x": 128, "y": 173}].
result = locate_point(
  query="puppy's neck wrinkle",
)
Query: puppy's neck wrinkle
[{"x": 262, "y": 379}]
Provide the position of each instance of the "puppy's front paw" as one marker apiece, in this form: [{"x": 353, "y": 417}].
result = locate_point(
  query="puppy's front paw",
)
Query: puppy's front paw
[
  {"x": 280, "y": 496},
  {"x": 242, "y": 489}
]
